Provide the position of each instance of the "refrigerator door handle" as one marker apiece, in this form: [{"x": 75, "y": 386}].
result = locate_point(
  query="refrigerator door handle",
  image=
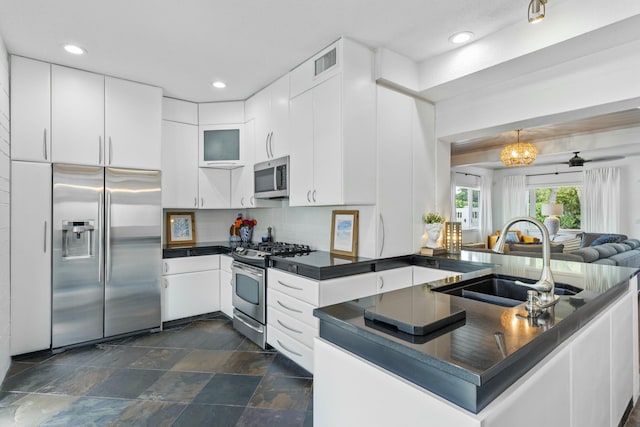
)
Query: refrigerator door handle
[
  {"x": 107, "y": 228},
  {"x": 100, "y": 150},
  {"x": 99, "y": 239},
  {"x": 45, "y": 237}
]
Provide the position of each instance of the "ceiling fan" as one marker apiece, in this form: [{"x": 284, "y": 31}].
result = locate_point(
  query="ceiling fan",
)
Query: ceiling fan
[{"x": 577, "y": 161}]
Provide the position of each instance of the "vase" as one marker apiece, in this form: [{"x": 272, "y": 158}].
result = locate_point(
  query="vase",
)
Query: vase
[
  {"x": 246, "y": 233},
  {"x": 433, "y": 234}
]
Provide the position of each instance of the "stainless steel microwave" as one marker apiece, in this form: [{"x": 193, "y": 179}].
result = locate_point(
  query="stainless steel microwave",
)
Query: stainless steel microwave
[{"x": 271, "y": 179}]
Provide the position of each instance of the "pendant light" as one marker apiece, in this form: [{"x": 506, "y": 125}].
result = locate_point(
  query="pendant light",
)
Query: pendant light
[
  {"x": 536, "y": 11},
  {"x": 518, "y": 154}
]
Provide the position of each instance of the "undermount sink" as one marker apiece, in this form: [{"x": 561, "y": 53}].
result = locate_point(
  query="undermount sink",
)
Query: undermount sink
[{"x": 500, "y": 290}]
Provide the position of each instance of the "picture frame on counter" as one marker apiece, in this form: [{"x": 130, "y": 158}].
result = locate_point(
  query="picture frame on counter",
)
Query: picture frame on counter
[
  {"x": 344, "y": 233},
  {"x": 181, "y": 228}
]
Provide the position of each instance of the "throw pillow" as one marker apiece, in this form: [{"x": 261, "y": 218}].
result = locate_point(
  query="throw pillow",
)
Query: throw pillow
[
  {"x": 512, "y": 237},
  {"x": 606, "y": 238},
  {"x": 571, "y": 245}
]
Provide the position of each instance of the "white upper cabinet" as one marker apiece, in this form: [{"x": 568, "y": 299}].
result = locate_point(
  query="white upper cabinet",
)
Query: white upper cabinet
[
  {"x": 214, "y": 188},
  {"x": 104, "y": 121},
  {"x": 179, "y": 111},
  {"x": 221, "y": 113},
  {"x": 333, "y": 127},
  {"x": 270, "y": 108},
  {"x": 133, "y": 117},
  {"x": 30, "y": 110},
  {"x": 77, "y": 116},
  {"x": 179, "y": 165},
  {"x": 242, "y": 178}
]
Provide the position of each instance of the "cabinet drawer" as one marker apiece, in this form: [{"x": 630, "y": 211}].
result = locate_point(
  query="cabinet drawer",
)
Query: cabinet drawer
[
  {"x": 190, "y": 264},
  {"x": 225, "y": 263},
  {"x": 292, "y": 307},
  {"x": 294, "y": 328},
  {"x": 347, "y": 288},
  {"x": 293, "y": 349},
  {"x": 294, "y": 285},
  {"x": 425, "y": 274}
]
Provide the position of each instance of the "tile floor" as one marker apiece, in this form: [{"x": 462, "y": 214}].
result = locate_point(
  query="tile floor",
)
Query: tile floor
[{"x": 200, "y": 374}]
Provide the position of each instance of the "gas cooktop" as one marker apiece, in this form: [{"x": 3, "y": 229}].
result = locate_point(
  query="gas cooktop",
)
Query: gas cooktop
[{"x": 258, "y": 253}]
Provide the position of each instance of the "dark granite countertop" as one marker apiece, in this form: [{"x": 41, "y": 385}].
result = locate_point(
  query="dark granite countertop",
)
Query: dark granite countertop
[
  {"x": 321, "y": 265},
  {"x": 196, "y": 249},
  {"x": 463, "y": 362}
]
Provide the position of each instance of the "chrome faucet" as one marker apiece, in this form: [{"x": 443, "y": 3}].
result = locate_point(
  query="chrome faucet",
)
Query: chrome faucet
[{"x": 545, "y": 286}]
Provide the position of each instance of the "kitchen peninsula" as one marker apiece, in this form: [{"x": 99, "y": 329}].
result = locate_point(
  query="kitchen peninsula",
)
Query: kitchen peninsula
[{"x": 578, "y": 366}]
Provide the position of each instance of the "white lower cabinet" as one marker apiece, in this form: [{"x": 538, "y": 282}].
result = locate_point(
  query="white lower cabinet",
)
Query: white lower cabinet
[
  {"x": 191, "y": 286},
  {"x": 426, "y": 274},
  {"x": 226, "y": 287},
  {"x": 291, "y": 300},
  {"x": 397, "y": 278},
  {"x": 30, "y": 257}
]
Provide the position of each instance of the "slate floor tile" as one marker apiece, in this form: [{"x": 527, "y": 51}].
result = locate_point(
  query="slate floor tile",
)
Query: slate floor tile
[
  {"x": 35, "y": 378},
  {"x": 159, "y": 358},
  {"x": 209, "y": 415},
  {"x": 177, "y": 386},
  {"x": 119, "y": 357},
  {"x": 149, "y": 414},
  {"x": 203, "y": 361},
  {"x": 249, "y": 363},
  {"x": 276, "y": 392},
  {"x": 88, "y": 411},
  {"x": 8, "y": 397},
  {"x": 259, "y": 417},
  {"x": 17, "y": 367},
  {"x": 79, "y": 356},
  {"x": 34, "y": 409},
  {"x": 78, "y": 382},
  {"x": 125, "y": 383},
  {"x": 228, "y": 389},
  {"x": 145, "y": 340}
]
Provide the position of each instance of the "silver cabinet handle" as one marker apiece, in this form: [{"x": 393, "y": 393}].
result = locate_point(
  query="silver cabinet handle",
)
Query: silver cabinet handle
[
  {"x": 195, "y": 202},
  {"x": 271, "y": 143},
  {"x": 252, "y": 200},
  {"x": 110, "y": 150},
  {"x": 290, "y": 286},
  {"x": 166, "y": 283},
  {"x": 45, "y": 238},
  {"x": 289, "y": 327},
  {"x": 100, "y": 150},
  {"x": 314, "y": 196},
  {"x": 201, "y": 201},
  {"x": 266, "y": 145},
  {"x": 242, "y": 201},
  {"x": 288, "y": 349},
  {"x": 309, "y": 196},
  {"x": 382, "y": 228},
  {"x": 381, "y": 282},
  {"x": 44, "y": 145},
  {"x": 289, "y": 308},
  {"x": 166, "y": 267}
]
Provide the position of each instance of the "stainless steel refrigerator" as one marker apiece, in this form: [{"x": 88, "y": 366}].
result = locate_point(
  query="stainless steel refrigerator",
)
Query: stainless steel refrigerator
[{"x": 106, "y": 252}]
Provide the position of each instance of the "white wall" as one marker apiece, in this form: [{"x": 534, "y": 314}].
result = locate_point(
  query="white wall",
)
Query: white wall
[{"x": 5, "y": 289}]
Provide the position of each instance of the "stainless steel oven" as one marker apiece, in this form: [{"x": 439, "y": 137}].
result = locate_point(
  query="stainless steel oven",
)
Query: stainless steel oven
[{"x": 249, "y": 301}]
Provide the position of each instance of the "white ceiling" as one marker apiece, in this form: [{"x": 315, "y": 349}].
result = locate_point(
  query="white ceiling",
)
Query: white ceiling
[{"x": 182, "y": 46}]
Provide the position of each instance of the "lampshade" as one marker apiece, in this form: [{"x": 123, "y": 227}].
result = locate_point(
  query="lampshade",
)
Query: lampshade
[
  {"x": 555, "y": 209},
  {"x": 536, "y": 10},
  {"x": 518, "y": 154}
]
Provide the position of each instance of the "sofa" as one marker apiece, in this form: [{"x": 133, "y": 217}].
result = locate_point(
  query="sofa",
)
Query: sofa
[
  {"x": 512, "y": 237},
  {"x": 596, "y": 248}
]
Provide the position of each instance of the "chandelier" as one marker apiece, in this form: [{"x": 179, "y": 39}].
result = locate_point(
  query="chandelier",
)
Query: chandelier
[{"x": 518, "y": 154}]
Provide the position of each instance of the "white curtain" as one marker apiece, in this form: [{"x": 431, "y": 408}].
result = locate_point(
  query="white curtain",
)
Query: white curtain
[
  {"x": 452, "y": 196},
  {"x": 486, "y": 221},
  {"x": 600, "y": 209},
  {"x": 514, "y": 199}
]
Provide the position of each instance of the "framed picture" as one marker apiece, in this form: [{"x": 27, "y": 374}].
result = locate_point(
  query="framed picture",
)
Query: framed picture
[
  {"x": 181, "y": 228},
  {"x": 344, "y": 233}
]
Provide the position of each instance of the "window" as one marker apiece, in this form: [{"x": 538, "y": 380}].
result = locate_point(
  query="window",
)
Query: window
[
  {"x": 569, "y": 197},
  {"x": 468, "y": 207}
]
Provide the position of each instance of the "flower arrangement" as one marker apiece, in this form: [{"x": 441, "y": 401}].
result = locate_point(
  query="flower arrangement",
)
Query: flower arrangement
[
  {"x": 245, "y": 223},
  {"x": 433, "y": 218}
]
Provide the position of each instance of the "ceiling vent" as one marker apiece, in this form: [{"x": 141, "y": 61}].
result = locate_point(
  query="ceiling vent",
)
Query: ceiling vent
[{"x": 326, "y": 61}]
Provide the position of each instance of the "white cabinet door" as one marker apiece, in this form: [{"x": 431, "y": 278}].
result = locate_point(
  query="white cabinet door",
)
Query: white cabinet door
[
  {"x": 301, "y": 149},
  {"x": 279, "y": 117},
  {"x": 397, "y": 278},
  {"x": 424, "y": 274},
  {"x": 179, "y": 165},
  {"x": 191, "y": 294},
  {"x": 30, "y": 257},
  {"x": 259, "y": 109},
  {"x": 242, "y": 178},
  {"x": 327, "y": 143},
  {"x": 214, "y": 188},
  {"x": 30, "y": 110},
  {"x": 395, "y": 233},
  {"x": 77, "y": 116},
  {"x": 226, "y": 294},
  {"x": 133, "y": 119}
]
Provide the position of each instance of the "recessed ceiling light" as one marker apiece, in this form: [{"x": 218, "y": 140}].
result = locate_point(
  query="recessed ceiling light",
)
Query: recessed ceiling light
[
  {"x": 72, "y": 48},
  {"x": 219, "y": 85},
  {"x": 461, "y": 37}
]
